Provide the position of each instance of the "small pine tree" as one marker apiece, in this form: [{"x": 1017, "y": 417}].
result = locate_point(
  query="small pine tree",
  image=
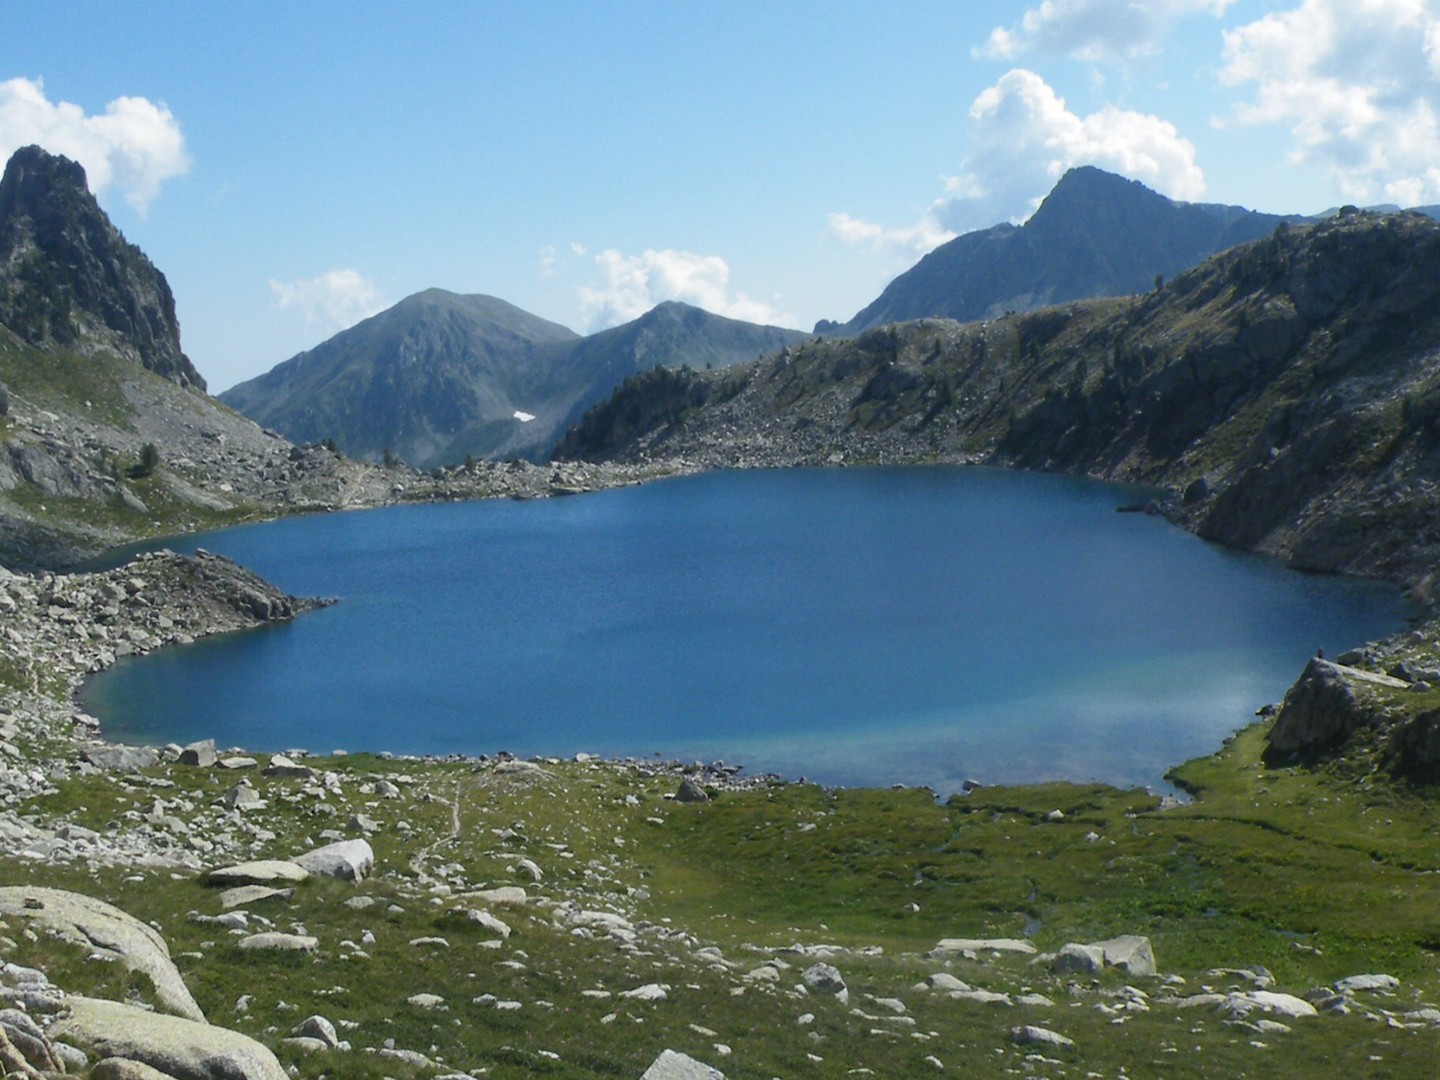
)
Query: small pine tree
[
  {"x": 389, "y": 459},
  {"x": 149, "y": 461}
]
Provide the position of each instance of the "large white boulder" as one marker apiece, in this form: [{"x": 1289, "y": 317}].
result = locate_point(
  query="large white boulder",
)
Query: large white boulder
[{"x": 183, "y": 1049}]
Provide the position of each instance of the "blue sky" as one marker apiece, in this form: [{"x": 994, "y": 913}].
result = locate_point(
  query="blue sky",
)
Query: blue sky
[{"x": 293, "y": 168}]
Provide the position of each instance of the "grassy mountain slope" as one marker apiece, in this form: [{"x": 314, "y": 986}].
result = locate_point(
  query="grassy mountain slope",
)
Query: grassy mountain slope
[
  {"x": 1289, "y": 388},
  {"x": 1096, "y": 234}
]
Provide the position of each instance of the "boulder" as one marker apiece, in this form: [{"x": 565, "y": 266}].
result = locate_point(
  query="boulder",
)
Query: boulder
[
  {"x": 248, "y": 895},
  {"x": 118, "y": 1068},
  {"x": 982, "y": 945},
  {"x": 349, "y": 860},
  {"x": 672, "y": 1065},
  {"x": 1269, "y": 1001},
  {"x": 825, "y": 979},
  {"x": 262, "y": 872},
  {"x": 1129, "y": 953},
  {"x": 26, "y": 1037},
  {"x": 1382, "y": 983},
  {"x": 690, "y": 791},
  {"x": 277, "y": 942},
  {"x": 116, "y": 758},
  {"x": 1030, "y": 1035},
  {"x": 178, "y": 1048},
  {"x": 1321, "y": 709},
  {"x": 280, "y": 765},
  {"x": 107, "y": 931},
  {"x": 199, "y": 754},
  {"x": 1086, "y": 959},
  {"x": 318, "y": 1028}
]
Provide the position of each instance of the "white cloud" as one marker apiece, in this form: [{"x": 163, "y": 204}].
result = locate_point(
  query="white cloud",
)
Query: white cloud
[
  {"x": 636, "y": 283},
  {"x": 1022, "y": 139},
  {"x": 134, "y": 144},
  {"x": 1358, "y": 84},
  {"x": 925, "y": 235},
  {"x": 331, "y": 302},
  {"x": 548, "y": 259},
  {"x": 1095, "y": 30}
]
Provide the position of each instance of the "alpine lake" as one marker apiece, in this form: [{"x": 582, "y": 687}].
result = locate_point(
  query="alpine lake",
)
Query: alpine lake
[{"x": 856, "y": 627}]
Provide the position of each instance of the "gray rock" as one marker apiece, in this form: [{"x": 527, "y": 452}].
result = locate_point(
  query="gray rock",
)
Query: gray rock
[
  {"x": 349, "y": 860},
  {"x": 242, "y": 797},
  {"x": 280, "y": 765},
  {"x": 826, "y": 979},
  {"x": 672, "y": 1065},
  {"x": 263, "y": 872},
  {"x": 1086, "y": 959},
  {"x": 116, "y": 758},
  {"x": 1321, "y": 709},
  {"x": 977, "y": 946},
  {"x": 1129, "y": 953},
  {"x": 943, "y": 980},
  {"x": 118, "y": 1068},
  {"x": 26, "y": 1036},
  {"x": 1352, "y": 983},
  {"x": 317, "y": 1027},
  {"x": 249, "y": 895},
  {"x": 691, "y": 792},
  {"x": 277, "y": 942},
  {"x": 1269, "y": 1001},
  {"x": 199, "y": 754},
  {"x": 179, "y": 1048},
  {"x": 106, "y": 930},
  {"x": 1030, "y": 1035}
]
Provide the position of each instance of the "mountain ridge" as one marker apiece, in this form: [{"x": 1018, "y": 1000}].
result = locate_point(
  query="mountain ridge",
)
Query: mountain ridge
[
  {"x": 1095, "y": 234},
  {"x": 440, "y": 377},
  {"x": 1286, "y": 391}
]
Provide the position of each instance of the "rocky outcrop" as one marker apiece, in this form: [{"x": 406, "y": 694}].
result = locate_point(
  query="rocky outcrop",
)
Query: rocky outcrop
[
  {"x": 1318, "y": 712},
  {"x": 68, "y": 278},
  {"x": 107, "y": 931},
  {"x": 179, "y": 1048}
]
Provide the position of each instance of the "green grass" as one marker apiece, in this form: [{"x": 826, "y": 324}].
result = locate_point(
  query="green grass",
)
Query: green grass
[
  {"x": 1309, "y": 872},
  {"x": 61, "y": 380}
]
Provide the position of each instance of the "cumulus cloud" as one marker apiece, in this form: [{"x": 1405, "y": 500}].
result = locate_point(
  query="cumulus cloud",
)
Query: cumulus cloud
[
  {"x": 134, "y": 145},
  {"x": 1095, "y": 30},
  {"x": 331, "y": 302},
  {"x": 1358, "y": 85},
  {"x": 1022, "y": 139},
  {"x": 636, "y": 283}
]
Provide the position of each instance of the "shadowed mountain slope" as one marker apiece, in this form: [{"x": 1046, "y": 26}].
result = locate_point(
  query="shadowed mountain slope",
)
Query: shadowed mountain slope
[
  {"x": 1096, "y": 234},
  {"x": 441, "y": 377}
]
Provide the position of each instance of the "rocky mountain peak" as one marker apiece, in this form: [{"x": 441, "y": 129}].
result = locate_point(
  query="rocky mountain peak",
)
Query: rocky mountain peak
[{"x": 68, "y": 278}]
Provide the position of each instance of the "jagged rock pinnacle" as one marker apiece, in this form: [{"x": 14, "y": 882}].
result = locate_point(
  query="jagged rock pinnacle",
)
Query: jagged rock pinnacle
[{"x": 68, "y": 278}]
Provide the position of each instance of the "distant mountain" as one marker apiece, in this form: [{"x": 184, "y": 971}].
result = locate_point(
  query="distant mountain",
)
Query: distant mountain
[
  {"x": 1096, "y": 234},
  {"x": 440, "y": 376},
  {"x": 68, "y": 278}
]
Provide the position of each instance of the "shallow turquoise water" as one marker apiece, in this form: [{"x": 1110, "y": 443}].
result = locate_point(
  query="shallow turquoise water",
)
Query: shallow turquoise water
[{"x": 857, "y": 626}]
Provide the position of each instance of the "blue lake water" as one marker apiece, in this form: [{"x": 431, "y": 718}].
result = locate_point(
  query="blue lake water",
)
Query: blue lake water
[{"x": 854, "y": 626}]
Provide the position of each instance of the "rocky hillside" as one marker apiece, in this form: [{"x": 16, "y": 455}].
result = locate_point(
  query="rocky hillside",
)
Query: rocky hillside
[
  {"x": 1096, "y": 234},
  {"x": 440, "y": 378},
  {"x": 69, "y": 279},
  {"x": 1286, "y": 391}
]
